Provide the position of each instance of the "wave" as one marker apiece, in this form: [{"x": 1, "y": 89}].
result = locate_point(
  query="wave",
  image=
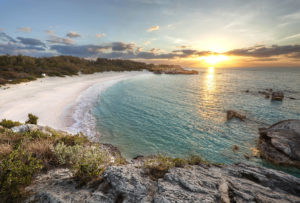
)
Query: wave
[{"x": 82, "y": 110}]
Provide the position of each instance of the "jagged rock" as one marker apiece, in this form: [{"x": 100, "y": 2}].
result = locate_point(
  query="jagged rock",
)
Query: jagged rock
[
  {"x": 232, "y": 114},
  {"x": 20, "y": 129},
  {"x": 204, "y": 183},
  {"x": 278, "y": 96},
  {"x": 32, "y": 127},
  {"x": 280, "y": 143}
]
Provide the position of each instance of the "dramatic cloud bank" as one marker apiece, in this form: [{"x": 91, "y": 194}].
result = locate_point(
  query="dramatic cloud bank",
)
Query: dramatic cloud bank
[
  {"x": 56, "y": 45},
  {"x": 264, "y": 51}
]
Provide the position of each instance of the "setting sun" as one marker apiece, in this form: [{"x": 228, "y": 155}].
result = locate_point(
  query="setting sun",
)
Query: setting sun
[{"x": 214, "y": 59}]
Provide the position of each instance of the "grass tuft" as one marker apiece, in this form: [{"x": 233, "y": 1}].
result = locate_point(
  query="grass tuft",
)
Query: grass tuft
[{"x": 9, "y": 123}]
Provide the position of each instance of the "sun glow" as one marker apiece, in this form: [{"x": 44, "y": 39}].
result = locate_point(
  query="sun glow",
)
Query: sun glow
[{"x": 214, "y": 59}]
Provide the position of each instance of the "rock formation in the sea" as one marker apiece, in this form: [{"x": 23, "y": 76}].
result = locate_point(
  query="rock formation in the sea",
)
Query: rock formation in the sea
[
  {"x": 202, "y": 183},
  {"x": 233, "y": 114},
  {"x": 280, "y": 143},
  {"x": 172, "y": 69},
  {"x": 269, "y": 93},
  {"x": 277, "y": 96}
]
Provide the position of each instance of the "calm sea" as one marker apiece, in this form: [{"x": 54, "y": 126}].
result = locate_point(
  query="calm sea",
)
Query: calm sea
[{"x": 180, "y": 115}]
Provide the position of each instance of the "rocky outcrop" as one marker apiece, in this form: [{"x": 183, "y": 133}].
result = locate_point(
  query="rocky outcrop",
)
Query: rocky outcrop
[
  {"x": 174, "y": 70},
  {"x": 31, "y": 127},
  {"x": 280, "y": 143},
  {"x": 203, "y": 183},
  {"x": 277, "y": 96},
  {"x": 233, "y": 114}
]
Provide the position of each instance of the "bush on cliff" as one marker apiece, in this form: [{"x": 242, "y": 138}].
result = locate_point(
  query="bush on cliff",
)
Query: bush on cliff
[
  {"x": 157, "y": 166},
  {"x": 16, "y": 170},
  {"x": 32, "y": 119},
  {"x": 86, "y": 162},
  {"x": 9, "y": 123},
  {"x": 22, "y": 155}
]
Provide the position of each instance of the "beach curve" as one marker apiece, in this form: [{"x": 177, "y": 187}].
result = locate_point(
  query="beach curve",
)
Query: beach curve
[{"x": 62, "y": 103}]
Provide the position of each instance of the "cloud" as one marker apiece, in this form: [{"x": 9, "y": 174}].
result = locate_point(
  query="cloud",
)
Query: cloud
[
  {"x": 31, "y": 41},
  {"x": 147, "y": 42},
  {"x": 14, "y": 49},
  {"x": 28, "y": 46},
  {"x": 153, "y": 28},
  {"x": 72, "y": 34},
  {"x": 110, "y": 50},
  {"x": 50, "y": 32},
  {"x": 120, "y": 46},
  {"x": 99, "y": 35},
  {"x": 58, "y": 40},
  {"x": 24, "y": 29},
  {"x": 264, "y": 51},
  {"x": 6, "y": 38},
  {"x": 291, "y": 37},
  {"x": 78, "y": 50}
]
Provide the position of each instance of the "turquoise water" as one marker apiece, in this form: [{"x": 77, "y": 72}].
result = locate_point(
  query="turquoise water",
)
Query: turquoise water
[{"x": 181, "y": 115}]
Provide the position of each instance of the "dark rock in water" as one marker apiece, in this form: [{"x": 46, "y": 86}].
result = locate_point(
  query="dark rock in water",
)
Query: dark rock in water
[
  {"x": 265, "y": 93},
  {"x": 232, "y": 114},
  {"x": 278, "y": 96},
  {"x": 202, "y": 183},
  {"x": 138, "y": 157},
  {"x": 293, "y": 98},
  {"x": 280, "y": 143},
  {"x": 269, "y": 90},
  {"x": 235, "y": 148}
]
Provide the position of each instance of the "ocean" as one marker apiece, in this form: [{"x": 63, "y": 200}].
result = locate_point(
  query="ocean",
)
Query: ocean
[{"x": 182, "y": 115}]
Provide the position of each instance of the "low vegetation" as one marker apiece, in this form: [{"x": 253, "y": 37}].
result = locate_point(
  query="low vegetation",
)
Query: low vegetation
[
  {"x": 16, "y": 69},
  {"x": 39, "y": 149},
  {"x": 157, "y": 166},
  {"x": 23, "y": 155},
  {"x": 9, "y": 124},
  {"x": 32, "y": 119}
]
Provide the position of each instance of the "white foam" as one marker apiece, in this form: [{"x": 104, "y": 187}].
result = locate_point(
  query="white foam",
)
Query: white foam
[{"x": 82, "y": 109}]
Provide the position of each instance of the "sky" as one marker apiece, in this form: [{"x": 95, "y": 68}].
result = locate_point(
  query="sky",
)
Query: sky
[{"x": 193, "y": 33}]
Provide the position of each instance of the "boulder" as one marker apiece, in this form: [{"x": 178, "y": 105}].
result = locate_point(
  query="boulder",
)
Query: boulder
[
  {"x": 280, "y": 143},
  {"x": 277, "y": 96},
  {"x": 232, "y": 114},
  {"x": 202, "y": 183},
  {"x": 32, "y": 127}
]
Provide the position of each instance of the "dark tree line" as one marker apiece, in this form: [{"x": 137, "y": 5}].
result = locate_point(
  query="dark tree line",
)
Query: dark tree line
[{"x": 16, "y": 69}]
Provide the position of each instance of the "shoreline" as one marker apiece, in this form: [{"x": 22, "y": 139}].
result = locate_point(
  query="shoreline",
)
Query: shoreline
[{"x": 59, "y": 102}]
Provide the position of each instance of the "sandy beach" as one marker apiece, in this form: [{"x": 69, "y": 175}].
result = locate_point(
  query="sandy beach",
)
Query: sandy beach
[{"x": 59, "y": 102}]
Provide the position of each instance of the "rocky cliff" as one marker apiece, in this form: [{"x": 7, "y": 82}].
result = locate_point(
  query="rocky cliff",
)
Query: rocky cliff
[{"x": 202, "y": 183}]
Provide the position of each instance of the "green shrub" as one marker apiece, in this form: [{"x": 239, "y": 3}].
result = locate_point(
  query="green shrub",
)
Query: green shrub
[
  {"x": 9, "y": 123},
  {"x": 157, "y": 166},
  {"x": 16, "y": 171},
  {"x": 67, "y": 155},
  {"x": 90, "y": 165},
  {"x": 86, "y": 162},
  {"x": 36, "y": 134},
  {"x": 72, "y": 140},
  {"x": 32, "y": 119}
]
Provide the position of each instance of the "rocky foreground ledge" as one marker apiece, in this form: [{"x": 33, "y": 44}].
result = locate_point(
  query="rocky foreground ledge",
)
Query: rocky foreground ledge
[
  {"x": 202, "y": 183},
  {"x": 68, "y": 161},
  {"x": 280, "y": 143}
]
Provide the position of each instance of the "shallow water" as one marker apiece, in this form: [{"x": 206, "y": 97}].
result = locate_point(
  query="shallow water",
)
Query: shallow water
[{"x": 186, "y": 114}]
